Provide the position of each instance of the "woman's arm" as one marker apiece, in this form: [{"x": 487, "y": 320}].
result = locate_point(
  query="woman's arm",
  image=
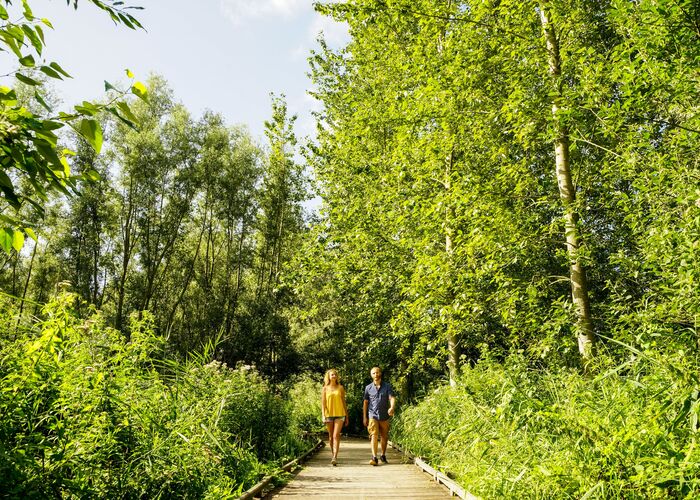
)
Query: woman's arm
[
  {"x": 345, "y": 406},
  {"x": 323, "y": 403}
]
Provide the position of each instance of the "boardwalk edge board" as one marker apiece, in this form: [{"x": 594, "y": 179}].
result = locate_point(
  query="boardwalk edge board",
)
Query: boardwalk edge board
[
  {"x": 439, "y": 477},
  {"x": 259, "y": 488}
]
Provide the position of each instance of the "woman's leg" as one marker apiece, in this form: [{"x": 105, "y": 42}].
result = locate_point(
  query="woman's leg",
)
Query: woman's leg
[
  {"x": 330, "y": 426},
  {"x": 338, "y": 427}
]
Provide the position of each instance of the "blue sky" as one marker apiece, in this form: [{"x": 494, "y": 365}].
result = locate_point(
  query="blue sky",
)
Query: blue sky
[{"x": 223, "y": 55}]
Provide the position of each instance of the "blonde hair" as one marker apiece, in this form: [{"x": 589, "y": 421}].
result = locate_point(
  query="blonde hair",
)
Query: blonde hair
[{"x": 327, "y": 377}]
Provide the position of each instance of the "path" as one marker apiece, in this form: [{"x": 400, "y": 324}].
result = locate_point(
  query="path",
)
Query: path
[{"x": 353, "y": 477}]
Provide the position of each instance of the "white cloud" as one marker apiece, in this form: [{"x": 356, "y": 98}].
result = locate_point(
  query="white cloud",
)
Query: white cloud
[{"x": 239, "y": 10}]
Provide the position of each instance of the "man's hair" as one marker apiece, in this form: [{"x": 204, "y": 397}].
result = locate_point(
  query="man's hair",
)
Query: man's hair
[{"x": 376, "y": 368}]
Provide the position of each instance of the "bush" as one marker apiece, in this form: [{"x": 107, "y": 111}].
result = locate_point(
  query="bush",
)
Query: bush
[
  {"x": 305, "y": 405},
  {"x": 84, "y": 413},
  {"x": 507, "y": 431}
]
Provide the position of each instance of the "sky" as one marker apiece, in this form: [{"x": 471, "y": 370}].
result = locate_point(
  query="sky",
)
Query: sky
[{"x": 222, "y": 55}]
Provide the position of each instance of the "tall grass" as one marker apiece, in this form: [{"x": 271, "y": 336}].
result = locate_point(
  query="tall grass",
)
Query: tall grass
[
  {"x": 509, "y": 431},
  {"x": 83, "y": 413}
]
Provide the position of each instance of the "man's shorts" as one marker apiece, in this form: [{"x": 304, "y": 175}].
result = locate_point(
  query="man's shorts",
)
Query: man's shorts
[{"x": 374, "y": 426}]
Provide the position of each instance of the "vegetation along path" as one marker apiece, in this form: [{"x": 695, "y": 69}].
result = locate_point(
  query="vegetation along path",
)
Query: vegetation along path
[{"x": 353, "y": 477}]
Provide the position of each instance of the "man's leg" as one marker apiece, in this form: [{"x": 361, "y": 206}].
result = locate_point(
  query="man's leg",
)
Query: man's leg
[
  {"x": 373, "y": 429},
  {"x": 384, "y": 432}
]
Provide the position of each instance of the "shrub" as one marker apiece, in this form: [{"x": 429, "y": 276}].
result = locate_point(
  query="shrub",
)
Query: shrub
[
  {"x": 511, "y": 431},
  {"x": 84, "y": 413}
]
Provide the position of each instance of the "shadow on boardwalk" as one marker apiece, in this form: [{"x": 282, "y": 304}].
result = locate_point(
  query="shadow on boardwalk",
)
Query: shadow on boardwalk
[{"x": 353, "y": 477}]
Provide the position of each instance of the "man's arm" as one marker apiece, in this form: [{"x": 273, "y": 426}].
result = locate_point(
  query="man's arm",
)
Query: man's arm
[
  {"x": 365, "y": 406},
  {"x": 392, "y": 403}
]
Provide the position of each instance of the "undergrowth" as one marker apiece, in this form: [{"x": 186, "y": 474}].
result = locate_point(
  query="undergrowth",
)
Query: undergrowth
[
  {"x": 509, "y": 431},
  {"x": 86, "y": 414}
]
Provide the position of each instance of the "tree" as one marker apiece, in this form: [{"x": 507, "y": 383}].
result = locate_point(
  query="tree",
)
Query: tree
[{"x": 31, "y": 162}]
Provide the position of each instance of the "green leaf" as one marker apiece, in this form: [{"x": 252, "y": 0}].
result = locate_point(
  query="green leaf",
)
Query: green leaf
[
  {"x": 87, "y": 108},
  {"x": 12, "y": 43},
  {"x": 113, "y": 111},
  {"x": 109, "y": 86},
  {"x": 28, "y": 15},
  {"x": 92, "y": 175},
  {"x": 40, "y": 32},
  {"x": 91, "y": 131},
  {"x": 58, "y": 68},
  {"x": 49, "y": 125},
  {"x": 66, "y": 166},
  {"x": 129, "y": 73},
  {"x": 41, "y": 101},
  {"x": 17, "y": 240},
  {"x": 33, "y": 38},
  {"x": 3, "y": 13},
  {"x": 5, "y": 180},
  {"x": 25, "y": 79},
  {"x": 47, "y": 22},
  {"x": 50, "y": 72},
  {"x": 16, "y": 33},
  {"x": 6, "y": 239},
  {"x": 139, "y": 90},
  {"x": 30, "y": 232},
  {"x": 7, "y": 93},
  {"x": 126, "y": 111},
  {"x": 11, "y": 197},
  {"x": 27, "y": 61}
]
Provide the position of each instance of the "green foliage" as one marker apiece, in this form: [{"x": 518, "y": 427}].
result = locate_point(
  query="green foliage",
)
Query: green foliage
[
  {"x": 441, "y": 221},
  {"x": 510, "y": 431},
  {"x": 32, "y": 165},
  {"x": 85, "y": 413},
  {"x": 304, "y": 394}
]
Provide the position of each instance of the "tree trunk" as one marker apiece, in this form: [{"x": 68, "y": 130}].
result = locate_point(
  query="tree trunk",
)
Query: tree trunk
[
  {"x": 26, "y": 283},
  {"x": 453, "y": 350},
  {"x": 126, "y": 256},
  {"x": 567, "y": 193}
]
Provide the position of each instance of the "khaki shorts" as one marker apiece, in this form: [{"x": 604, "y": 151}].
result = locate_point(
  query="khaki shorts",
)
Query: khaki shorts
[{"x": 375, "y": 427}]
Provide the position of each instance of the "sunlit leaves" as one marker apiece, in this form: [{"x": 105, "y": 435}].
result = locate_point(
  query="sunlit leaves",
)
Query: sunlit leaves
[
  {"x": 29, "y": 140},
  {"x": 91, "y": 131}
]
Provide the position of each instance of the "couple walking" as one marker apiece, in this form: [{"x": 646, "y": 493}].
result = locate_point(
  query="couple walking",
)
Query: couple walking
[{"x": 377, "y": 409}]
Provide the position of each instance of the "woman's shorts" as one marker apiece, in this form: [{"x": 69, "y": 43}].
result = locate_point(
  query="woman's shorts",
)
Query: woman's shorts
[{"x": 331, "y": 419}]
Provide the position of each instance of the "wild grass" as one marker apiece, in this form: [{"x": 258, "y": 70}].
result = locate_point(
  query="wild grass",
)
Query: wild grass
[
  {"x": 510, "y": 431},
  {"x": 86, "y": 414}
]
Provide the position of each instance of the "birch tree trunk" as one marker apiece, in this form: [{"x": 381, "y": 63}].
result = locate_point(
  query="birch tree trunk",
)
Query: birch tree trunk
[{"x": 567, "y": 193}]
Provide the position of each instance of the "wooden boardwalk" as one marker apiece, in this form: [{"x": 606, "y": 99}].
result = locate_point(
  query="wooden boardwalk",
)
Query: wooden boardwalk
[{"x": 353, "y": 477}]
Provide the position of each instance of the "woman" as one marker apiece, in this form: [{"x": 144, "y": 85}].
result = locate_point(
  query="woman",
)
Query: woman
[{"x": 334, "y": 410}]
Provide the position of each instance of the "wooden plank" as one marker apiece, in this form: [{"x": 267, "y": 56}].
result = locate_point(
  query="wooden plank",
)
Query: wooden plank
[{"x": 353, "y": 477}]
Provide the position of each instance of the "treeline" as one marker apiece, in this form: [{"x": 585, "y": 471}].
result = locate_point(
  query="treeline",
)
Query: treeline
[
  {"x": 504, "y": 176},
  {"x": 187, "y": 218}
]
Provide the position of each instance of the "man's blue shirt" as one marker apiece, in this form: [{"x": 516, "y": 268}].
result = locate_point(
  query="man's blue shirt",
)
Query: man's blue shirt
[{"x": 378, "y": 398}]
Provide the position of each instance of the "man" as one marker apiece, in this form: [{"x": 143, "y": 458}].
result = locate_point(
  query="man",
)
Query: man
[{"x": 377, "y": 408}]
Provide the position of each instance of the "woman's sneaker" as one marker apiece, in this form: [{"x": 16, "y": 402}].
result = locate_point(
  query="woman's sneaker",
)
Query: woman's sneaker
[
  {"x": 383, "y": 459},
  {"x": 374, "y": 461},
  {"x": 333, "y": 461}
]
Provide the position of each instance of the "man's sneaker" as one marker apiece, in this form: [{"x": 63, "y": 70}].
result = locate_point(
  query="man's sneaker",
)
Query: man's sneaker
[
  {"x": 374, "y": 461},
  {"x": 383, "y": 459}
]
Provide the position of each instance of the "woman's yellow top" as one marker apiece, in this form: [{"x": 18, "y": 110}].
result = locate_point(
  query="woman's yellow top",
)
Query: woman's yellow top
[{"x": 334, "y": 401}]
